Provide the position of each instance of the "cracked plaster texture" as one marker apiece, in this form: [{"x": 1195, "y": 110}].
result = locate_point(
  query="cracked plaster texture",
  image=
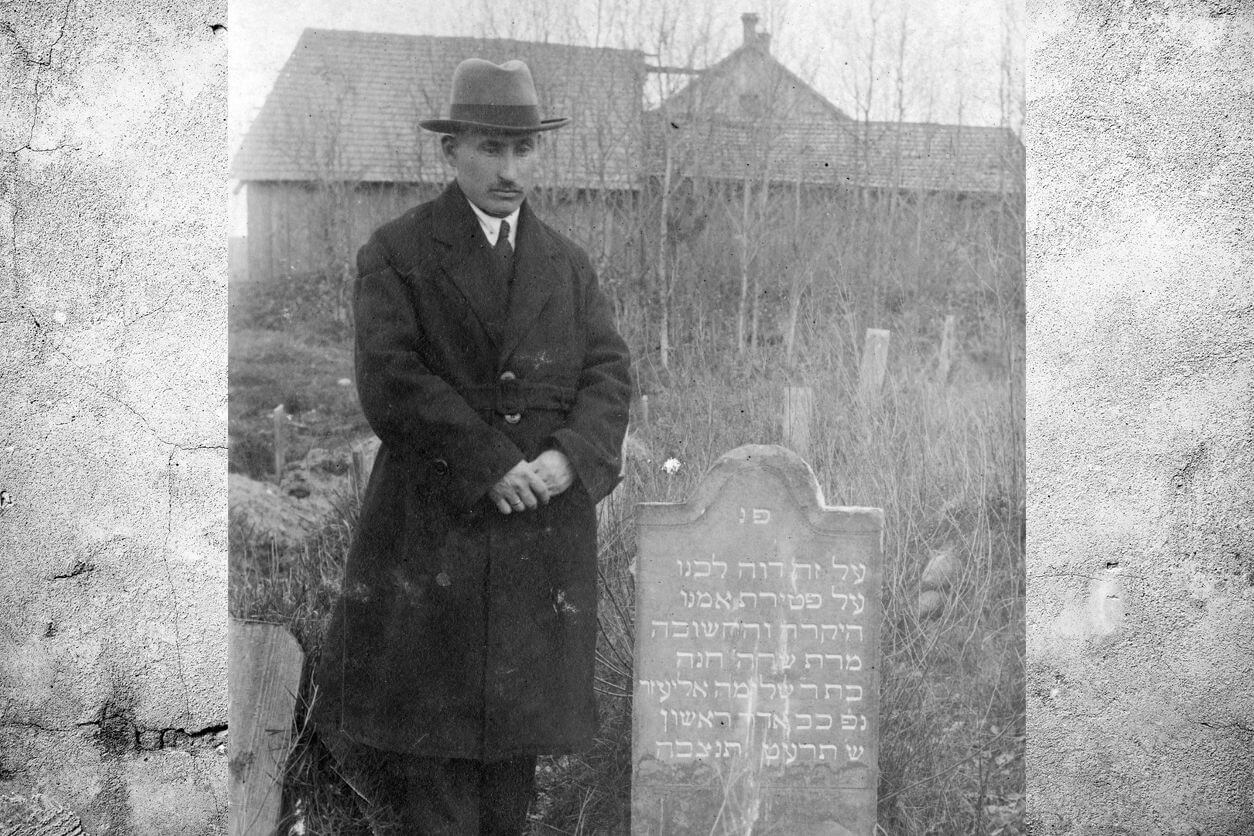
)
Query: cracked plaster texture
[
  {"x": 1140, "y": 418},
  {"x": 113, "y": 449}
]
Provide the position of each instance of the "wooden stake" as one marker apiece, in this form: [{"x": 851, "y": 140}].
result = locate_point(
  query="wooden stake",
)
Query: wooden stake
[
  {"x": 359, "y": 471},
  {"x": 948, "y": 340},
  {"x": 874, "y": 365},
  {"x": 279, "y": 420},
  {"x": 798, "y": 410}
]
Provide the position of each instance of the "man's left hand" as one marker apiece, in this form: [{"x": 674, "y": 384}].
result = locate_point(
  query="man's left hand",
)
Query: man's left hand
[{"x": 554, "y": 469}]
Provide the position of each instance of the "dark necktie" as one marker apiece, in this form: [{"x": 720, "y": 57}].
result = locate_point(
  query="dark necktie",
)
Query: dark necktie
[{"x": 504, "y": 254}]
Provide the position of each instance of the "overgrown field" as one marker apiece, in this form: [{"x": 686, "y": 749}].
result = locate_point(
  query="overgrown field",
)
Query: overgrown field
[{"x": 943, "y": 458}]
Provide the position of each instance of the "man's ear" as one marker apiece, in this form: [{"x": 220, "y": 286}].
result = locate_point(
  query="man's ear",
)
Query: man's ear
[{"x": 448, "y": 145}]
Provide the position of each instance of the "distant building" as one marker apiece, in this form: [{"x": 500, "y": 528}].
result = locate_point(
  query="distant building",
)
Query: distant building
[
  {"x": 336, "y": 148},
  {"x": 749, "y": 116}
]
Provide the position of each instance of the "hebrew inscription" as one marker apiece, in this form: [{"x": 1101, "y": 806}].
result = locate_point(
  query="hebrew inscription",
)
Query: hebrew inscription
[
  {"x": 790, "y": 644},
  {"x": 757, "y": 639}
]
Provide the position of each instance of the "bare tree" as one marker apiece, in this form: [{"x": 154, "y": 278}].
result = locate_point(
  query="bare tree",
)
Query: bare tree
[{"x": 324, "y": 221}]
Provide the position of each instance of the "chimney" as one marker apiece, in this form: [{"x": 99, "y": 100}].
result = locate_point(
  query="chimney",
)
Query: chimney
[{"x": 750, "y": 21}]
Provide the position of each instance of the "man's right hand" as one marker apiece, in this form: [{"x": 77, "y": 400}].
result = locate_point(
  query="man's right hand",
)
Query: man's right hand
[{"x": 520, "y": 489}]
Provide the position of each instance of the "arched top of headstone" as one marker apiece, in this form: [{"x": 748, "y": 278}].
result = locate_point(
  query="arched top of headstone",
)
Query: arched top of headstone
[{"x": 777, "y": 464}]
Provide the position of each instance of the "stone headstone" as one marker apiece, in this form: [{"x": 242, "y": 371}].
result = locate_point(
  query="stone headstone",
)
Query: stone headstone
[{"x": 757, "y": 645}]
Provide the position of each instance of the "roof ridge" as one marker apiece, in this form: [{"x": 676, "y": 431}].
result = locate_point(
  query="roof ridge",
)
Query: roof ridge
[{"x": 321, "y": 30}]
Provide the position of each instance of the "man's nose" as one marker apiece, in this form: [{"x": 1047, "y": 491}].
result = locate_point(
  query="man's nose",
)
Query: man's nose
[{"x": 509, "y": 166}]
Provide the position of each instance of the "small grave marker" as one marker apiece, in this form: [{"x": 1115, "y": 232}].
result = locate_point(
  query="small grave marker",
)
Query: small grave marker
[
  {"x": 279, "y": 419},
  {"x": 798, "y": 409},
  {"x": 874, "y": 365},
  {"x": 945, "y": 357},
  {"x": 757, "y": 647}
]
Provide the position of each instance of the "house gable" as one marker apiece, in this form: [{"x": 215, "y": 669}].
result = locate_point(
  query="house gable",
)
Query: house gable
[
  {"x": 749, "y": 116},
  {"x": 751, "y": 85}
]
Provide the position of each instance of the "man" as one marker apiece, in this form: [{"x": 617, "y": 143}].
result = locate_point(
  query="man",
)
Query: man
[{"x": 488, "y": 364}]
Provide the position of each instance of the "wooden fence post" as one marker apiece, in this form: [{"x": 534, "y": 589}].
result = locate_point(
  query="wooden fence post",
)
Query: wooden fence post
[
  {"x": 945, "y": 359},
  {"x": 798, "y": 409},
  {"x": 279, "y": 420},
  {"x": 874, "y": 365}
]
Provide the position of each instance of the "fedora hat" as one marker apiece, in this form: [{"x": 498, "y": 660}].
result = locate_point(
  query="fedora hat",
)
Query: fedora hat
[{"x": 490, "y": 97}]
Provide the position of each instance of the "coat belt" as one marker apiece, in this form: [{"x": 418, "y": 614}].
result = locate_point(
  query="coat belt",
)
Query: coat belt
[{"x": 513, "y": 397}]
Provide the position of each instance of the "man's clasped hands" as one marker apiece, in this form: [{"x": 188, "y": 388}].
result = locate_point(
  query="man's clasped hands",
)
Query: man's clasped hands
[{"x": 530, "y": 484}]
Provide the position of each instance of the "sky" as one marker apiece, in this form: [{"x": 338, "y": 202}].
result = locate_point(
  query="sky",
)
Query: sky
[{"x": 948, "y": 68}]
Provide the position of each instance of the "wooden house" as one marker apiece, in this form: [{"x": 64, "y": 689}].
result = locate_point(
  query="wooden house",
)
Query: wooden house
[{"x": 749, "y": 116}]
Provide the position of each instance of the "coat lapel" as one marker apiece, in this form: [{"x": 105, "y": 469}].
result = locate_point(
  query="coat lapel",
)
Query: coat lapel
[
  {"x": 466, "y": 258},
  {"x": 533, "y": 281}
]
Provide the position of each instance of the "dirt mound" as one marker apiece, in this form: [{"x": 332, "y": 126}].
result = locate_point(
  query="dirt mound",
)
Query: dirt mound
[{"x": 311, "y": 492}]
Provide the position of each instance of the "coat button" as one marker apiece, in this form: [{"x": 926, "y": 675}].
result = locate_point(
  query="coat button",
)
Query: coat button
[{"x": 441, "y": 467}]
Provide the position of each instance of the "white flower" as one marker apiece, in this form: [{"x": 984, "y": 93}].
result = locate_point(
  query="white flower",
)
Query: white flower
[{"x": 671, "y": 466}]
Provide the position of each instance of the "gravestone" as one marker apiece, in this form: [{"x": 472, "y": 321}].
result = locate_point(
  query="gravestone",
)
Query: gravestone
[{"x": 757, "y": 646}]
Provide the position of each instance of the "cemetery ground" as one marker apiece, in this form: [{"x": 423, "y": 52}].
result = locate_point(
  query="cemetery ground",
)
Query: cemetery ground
[{"x": 942, "y": 457}]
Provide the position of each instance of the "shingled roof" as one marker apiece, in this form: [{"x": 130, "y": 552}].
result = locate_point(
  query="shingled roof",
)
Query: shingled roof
[
  {"x": 750, "y": 116},
  {"x": 346, "y": 106}
]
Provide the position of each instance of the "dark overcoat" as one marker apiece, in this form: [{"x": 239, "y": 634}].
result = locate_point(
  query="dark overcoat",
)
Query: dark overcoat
[{"x": 463, "y": 632}]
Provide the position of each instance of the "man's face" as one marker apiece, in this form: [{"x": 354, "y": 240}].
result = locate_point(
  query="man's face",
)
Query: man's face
[{"x": 494, "y": 170}]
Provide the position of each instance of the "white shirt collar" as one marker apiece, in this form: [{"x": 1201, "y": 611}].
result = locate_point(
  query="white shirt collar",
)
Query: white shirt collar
[{"x": 492, "y": 226}]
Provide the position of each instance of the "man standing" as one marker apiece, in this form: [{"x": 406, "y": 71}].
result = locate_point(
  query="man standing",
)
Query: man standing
[{"x": 489, "y": 366}]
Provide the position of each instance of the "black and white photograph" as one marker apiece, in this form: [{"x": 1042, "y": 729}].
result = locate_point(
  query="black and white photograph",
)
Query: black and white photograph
[
  {"x": 634, "y": 418},
  {"x": 626, "y": 416}
]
